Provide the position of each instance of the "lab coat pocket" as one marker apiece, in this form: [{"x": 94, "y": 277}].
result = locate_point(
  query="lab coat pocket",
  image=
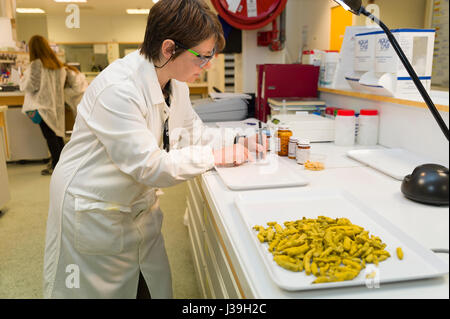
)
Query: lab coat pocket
[{"x": 99, "y": 227}]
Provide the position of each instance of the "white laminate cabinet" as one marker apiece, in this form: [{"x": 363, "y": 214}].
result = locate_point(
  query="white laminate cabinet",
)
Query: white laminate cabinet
[
  {"x": 196, "y": 253},
  {"x": 4, "y": 184},
  {"x": 213, "y": 269},
  {"x": 25, "y": 139}
]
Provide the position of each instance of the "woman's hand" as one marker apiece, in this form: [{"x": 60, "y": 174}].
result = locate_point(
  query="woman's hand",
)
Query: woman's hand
[{"x": 233, "y": 155}]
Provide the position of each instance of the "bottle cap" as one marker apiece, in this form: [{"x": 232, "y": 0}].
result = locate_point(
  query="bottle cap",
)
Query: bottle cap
[
  {"x": 303, "y": 141},
  {"x": 346, "y": 113},
  {"x": 369, "y": 112},
  {"x": 283, "y": 127}
]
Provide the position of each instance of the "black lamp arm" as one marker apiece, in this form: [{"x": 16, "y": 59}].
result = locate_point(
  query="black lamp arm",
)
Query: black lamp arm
[{"x": 411, "y": 72}]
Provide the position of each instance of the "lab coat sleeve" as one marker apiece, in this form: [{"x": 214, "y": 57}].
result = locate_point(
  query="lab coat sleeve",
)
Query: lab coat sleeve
[
  {"x": 197, "y": 133},
  {"x": 31, "y": 81},
  {"x": 118, "y": 120}
]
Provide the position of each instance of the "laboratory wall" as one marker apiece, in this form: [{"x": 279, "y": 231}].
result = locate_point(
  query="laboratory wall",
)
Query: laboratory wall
[
  {"x": 103, "y": 28},
  {"x": 399, "y": 13},
  {"x": 27, "y": 26},
  {"x": 308, "y": 24}
]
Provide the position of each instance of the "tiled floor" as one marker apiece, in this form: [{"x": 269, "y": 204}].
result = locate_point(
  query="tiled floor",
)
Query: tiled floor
[{"x": 22, "y": 236}]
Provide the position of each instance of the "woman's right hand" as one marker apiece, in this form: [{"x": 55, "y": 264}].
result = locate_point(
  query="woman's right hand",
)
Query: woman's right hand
[{"x": 233, "y": 155}]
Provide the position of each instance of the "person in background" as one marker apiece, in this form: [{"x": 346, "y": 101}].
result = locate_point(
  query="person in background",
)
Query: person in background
[
  {"x": 135, "y": 132},
  {"x": 43, "y": 83},
  {"x": 74, "y": 88}
]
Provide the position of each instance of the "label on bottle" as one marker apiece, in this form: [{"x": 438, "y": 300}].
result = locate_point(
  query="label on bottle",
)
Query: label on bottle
[
  {"x": 292, "y": 149},
  {"x": 303, "y": 155}
]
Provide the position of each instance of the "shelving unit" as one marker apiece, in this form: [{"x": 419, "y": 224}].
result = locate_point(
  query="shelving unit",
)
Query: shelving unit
[
  {"x": 226, "y": 73},
  {"x": 380, "y": 98}
]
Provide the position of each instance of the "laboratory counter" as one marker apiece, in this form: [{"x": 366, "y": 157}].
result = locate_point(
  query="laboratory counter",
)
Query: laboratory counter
[
  {"x": 12, "y": 98},
  {"x": 228, "y": 265}
]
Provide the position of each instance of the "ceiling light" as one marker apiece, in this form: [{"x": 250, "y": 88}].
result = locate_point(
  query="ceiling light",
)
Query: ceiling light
[
  {"x": 70, "y": 1},
  {"x": 138, "y": 11},
  {"x": 29, "y": 10}
]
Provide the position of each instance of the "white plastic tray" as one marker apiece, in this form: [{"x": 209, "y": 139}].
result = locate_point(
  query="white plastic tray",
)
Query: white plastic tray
[
  {"x": 394, "y": 162},
  {"x": 258, "y": 208},
  {"x": 273, "y": 173}
]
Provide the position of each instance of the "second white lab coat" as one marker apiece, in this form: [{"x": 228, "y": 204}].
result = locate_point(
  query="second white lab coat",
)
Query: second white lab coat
[
  {"x": 76, "y": 85},
  {"x": 44, "y": 91},
  {"x": 104, "y": 223}
]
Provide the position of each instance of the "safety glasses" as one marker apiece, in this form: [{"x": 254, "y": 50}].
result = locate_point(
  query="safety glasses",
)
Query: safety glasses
[{"x": 203, "y": 59}]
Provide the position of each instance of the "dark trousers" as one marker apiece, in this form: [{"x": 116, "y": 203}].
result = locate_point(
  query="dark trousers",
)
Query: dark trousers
[
  {"x": 54, "y": 142},
  {"x": 142, "y": 292}
]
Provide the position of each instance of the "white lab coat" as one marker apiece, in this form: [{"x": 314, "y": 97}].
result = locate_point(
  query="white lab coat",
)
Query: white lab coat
[
  {"x": 104, "y": 222},
  {"x": 44, "y": 91}
]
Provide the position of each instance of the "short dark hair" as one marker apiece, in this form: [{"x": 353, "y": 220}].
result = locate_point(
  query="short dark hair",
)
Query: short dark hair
[{"x": 188, "y": 22}]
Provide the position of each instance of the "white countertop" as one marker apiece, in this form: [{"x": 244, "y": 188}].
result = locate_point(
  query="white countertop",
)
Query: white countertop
[{"x": 428, "y": 225}]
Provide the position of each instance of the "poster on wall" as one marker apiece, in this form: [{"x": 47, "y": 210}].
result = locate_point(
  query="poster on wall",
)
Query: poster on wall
[{"x": 441, "y": 54}]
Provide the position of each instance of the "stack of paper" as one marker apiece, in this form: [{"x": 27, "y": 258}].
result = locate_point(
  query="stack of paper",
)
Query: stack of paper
[
  {"x": 221, "y": 96},
  {"x": 296, "y": 104}
]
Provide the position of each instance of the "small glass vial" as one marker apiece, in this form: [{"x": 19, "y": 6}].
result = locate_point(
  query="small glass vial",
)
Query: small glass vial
[
  {"x": 292, "y": 154},
  {"x": 283, "y": 135},
  {"x": 303, "y": 151},
  {"x": 268, "y": 140}
]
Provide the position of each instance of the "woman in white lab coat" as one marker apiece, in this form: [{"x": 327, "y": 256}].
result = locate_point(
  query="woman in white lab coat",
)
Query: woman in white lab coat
[
  {"x": 104, "y": 223},
  {"x": 43, "y": 84}
]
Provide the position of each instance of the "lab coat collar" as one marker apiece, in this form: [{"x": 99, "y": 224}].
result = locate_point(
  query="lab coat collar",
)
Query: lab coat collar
[{"x": 147, "y": 76}]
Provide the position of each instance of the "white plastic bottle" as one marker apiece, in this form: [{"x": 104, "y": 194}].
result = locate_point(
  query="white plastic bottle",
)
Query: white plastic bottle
[
  {"x": 344, "y": 128},
  {"x": 368, "y": 127}
]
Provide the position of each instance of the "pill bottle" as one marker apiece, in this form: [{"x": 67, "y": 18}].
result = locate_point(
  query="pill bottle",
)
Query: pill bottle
[
  {"x": 368, "y": 127},
  {"x": 292, "y": 151},
  {"x": 344, "y": 128},
  {"x": 303, "y": 151},
  {"x": 283, "y": 135}
]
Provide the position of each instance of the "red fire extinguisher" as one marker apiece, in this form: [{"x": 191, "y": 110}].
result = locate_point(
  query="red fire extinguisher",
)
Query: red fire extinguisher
[{"x": 249, "y": 14}]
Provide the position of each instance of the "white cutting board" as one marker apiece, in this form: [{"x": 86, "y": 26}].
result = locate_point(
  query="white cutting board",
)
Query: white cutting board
[
  {"x": 394, "y": 162},
  {"x": 258, "y": 208},
  {"x": 272, "y": 174}
]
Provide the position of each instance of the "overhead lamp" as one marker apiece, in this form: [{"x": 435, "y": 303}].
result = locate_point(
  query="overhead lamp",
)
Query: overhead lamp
[
  {"x": 29, "y": 10},
  {"x": 429, "y": 183},
  {"x": 80, "y": 1},
  {"x": 138, "y": 11},
  {"x": 350, "y": 5}
]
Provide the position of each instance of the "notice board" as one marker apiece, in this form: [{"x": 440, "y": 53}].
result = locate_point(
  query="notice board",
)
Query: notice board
[{"x": 439, "y": 22}]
